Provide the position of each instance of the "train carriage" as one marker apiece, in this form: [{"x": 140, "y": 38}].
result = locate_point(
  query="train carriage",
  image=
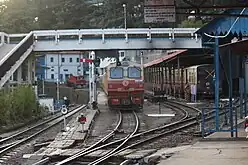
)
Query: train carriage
[
  {"x": 124, "y": 86},
  {"x": 182, "y": 82},
  {"x": 201, "y": 76}
]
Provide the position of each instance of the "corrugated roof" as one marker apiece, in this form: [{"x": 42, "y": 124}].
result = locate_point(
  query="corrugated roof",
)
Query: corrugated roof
[
  {"x": 223, "y": 24},
  {"x": 164, "y": 58}
]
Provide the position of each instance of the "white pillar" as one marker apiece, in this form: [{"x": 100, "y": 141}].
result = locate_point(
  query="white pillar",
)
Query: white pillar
[
  {"x": 93, "y": 92},
  {"x": 90, "y": 80},
  {"x": 82, "y": 65},
  {"x": 19, "y": 74},
  {"x": 142, "y": 65},
  {"x": 2, "y": 38}
]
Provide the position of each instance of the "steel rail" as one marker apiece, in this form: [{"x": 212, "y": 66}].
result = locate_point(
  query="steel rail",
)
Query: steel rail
[
  {"x": 95, "y": 144},
  {"x": 40, "y": 131},
  {"x": 163, "y": 134},
  {"x": 184, "y": 119},
  {"x": 123, "y": 143},
  {"x": 92, "y": 149},
  {"x": 191, "y": 122},
  {"x": 31, "y": 128}
]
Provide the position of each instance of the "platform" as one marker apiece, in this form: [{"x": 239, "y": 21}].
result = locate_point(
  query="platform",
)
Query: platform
[
  {"x": 224, "y": 152},
  {"x": 74, "y": 133},
  {"x": 66, "y": 139}
]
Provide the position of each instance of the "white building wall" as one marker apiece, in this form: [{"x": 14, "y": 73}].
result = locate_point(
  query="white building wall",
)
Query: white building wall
[
  {"x": 149, "y": 55},
  {"x": 63, "y": 65}
]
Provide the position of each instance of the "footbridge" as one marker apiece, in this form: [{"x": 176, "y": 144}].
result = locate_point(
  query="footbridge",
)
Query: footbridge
[{"x": 16, "y": 48}]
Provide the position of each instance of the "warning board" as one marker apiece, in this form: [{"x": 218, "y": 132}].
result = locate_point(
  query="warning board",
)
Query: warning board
[{"x": 158, "y": 11}]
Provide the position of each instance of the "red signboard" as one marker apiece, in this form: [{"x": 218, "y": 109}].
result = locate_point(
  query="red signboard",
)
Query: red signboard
[
  {"x": 82, "y": 119},
  {"x": 86, "y": 60}
]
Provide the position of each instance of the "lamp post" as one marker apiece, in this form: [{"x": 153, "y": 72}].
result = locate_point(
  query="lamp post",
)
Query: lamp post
[{"x": 125, "y": 15}]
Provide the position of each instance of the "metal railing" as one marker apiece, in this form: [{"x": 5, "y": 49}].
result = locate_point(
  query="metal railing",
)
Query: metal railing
[
  {"x": 15, "y": 54},
  {"x": 103, "y": 34}
]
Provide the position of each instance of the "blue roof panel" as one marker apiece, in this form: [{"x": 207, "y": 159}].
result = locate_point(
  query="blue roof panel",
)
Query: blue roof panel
[{"x": 223, "y": 24}]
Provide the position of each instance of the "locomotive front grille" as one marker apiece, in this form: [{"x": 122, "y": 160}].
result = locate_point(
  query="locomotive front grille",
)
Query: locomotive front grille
[{"x": 125, "y": 101}]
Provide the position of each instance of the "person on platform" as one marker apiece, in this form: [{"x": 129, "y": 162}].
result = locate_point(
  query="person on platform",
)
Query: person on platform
[
  {"x": 187, "y": 94},
  {"x": 246, "y": 126},
  {"x": 66, "y": 102}
]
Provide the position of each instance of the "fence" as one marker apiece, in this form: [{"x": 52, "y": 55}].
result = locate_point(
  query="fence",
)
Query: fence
[{"x": 224, "y": 121}]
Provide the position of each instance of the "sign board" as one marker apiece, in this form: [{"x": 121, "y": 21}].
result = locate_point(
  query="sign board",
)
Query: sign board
[
  {"x": 157, "y": 11},
  {"x": 82, "y": 119},
  {"x": 48, "y": 103},
  {"x": 86, "y": 60}
]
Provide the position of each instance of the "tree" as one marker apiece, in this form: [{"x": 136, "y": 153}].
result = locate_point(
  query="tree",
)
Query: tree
[
  {"x": 191, "y": 24},
  {"x": 24, "y": 15}
]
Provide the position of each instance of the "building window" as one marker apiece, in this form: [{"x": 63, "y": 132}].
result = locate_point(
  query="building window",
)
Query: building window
[
  {"x": 70, "y": 59},
  {"x": 63, "y": 59},
  {"x": 65, "y": 70},
  {"x": 51, "y": 59},
  {"x": 61, "y": 76},
  {"x": 52, "y": 76},
  {"x": 122, "y": 54},
  {"x": 77, "y": 59},
  {"x": 52, "y": 70},
  {"x": 79, "y": 70}
]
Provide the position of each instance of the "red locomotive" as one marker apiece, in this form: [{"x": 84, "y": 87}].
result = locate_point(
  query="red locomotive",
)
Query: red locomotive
[
  {"x": 124, "y": 86},
  {"x": 76, "y": 81}
]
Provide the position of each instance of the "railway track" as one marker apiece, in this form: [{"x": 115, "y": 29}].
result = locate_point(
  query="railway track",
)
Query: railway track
[
  {"x": 135, "y": 139},
  {"x": 102, "y": 141},
  {"x": 117, "y": 143},
  {"x": 13, "y": 141},
  {"x": 127, "y": 138}
]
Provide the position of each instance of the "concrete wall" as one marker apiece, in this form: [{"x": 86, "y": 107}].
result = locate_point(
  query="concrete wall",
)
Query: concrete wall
[{"x": 76, "y": 96}]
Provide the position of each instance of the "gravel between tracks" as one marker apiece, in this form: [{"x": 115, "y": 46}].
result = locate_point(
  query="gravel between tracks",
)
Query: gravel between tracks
[
  {"x": 104, "y": 123},
  {"x": 153, "y": 122},
  {"x": 15, "y": 157}
]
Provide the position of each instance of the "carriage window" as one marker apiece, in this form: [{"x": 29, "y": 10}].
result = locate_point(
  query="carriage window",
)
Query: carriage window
[
  {"x": 116, "y": 73},
  {"x": 134, "y": 72}
]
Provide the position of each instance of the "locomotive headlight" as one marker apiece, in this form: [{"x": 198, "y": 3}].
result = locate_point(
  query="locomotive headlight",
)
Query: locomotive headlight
[{"x": 207, "y": 83}]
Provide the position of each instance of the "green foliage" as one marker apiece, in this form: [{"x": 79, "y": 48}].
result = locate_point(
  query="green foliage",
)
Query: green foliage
[
  {"x": 19, "y": 16},
  {"x": 19, "y": 105},
  {"x": 191, "y": 24}
]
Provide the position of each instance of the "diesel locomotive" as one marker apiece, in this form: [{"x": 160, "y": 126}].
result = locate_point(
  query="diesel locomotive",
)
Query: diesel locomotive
[{"x": 124, "y": 86}]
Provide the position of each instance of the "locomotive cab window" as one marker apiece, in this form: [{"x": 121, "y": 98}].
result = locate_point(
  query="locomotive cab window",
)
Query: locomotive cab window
[
  {"x": 116, "y": 73},
  {"x": 134, "y": 72}
]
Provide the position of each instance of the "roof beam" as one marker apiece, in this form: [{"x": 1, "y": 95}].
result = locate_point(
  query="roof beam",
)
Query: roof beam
[
  {"x": 215, "y": 15},
  {"x": 228, "y": 6}
]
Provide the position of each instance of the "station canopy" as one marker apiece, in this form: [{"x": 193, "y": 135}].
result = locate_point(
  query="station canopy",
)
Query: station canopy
[
  {"x": 239, "y": 47},
  {"x": 184, "y": 58}
]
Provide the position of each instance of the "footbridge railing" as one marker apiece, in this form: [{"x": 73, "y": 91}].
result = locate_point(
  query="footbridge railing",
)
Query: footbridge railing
[
  {"x": 104, "y": 34},
  {"x": 10, "y": 59}
]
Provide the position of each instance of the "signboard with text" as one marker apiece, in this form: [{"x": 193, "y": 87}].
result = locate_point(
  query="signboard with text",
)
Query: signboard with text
[{"x": 158, "y": 11}]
